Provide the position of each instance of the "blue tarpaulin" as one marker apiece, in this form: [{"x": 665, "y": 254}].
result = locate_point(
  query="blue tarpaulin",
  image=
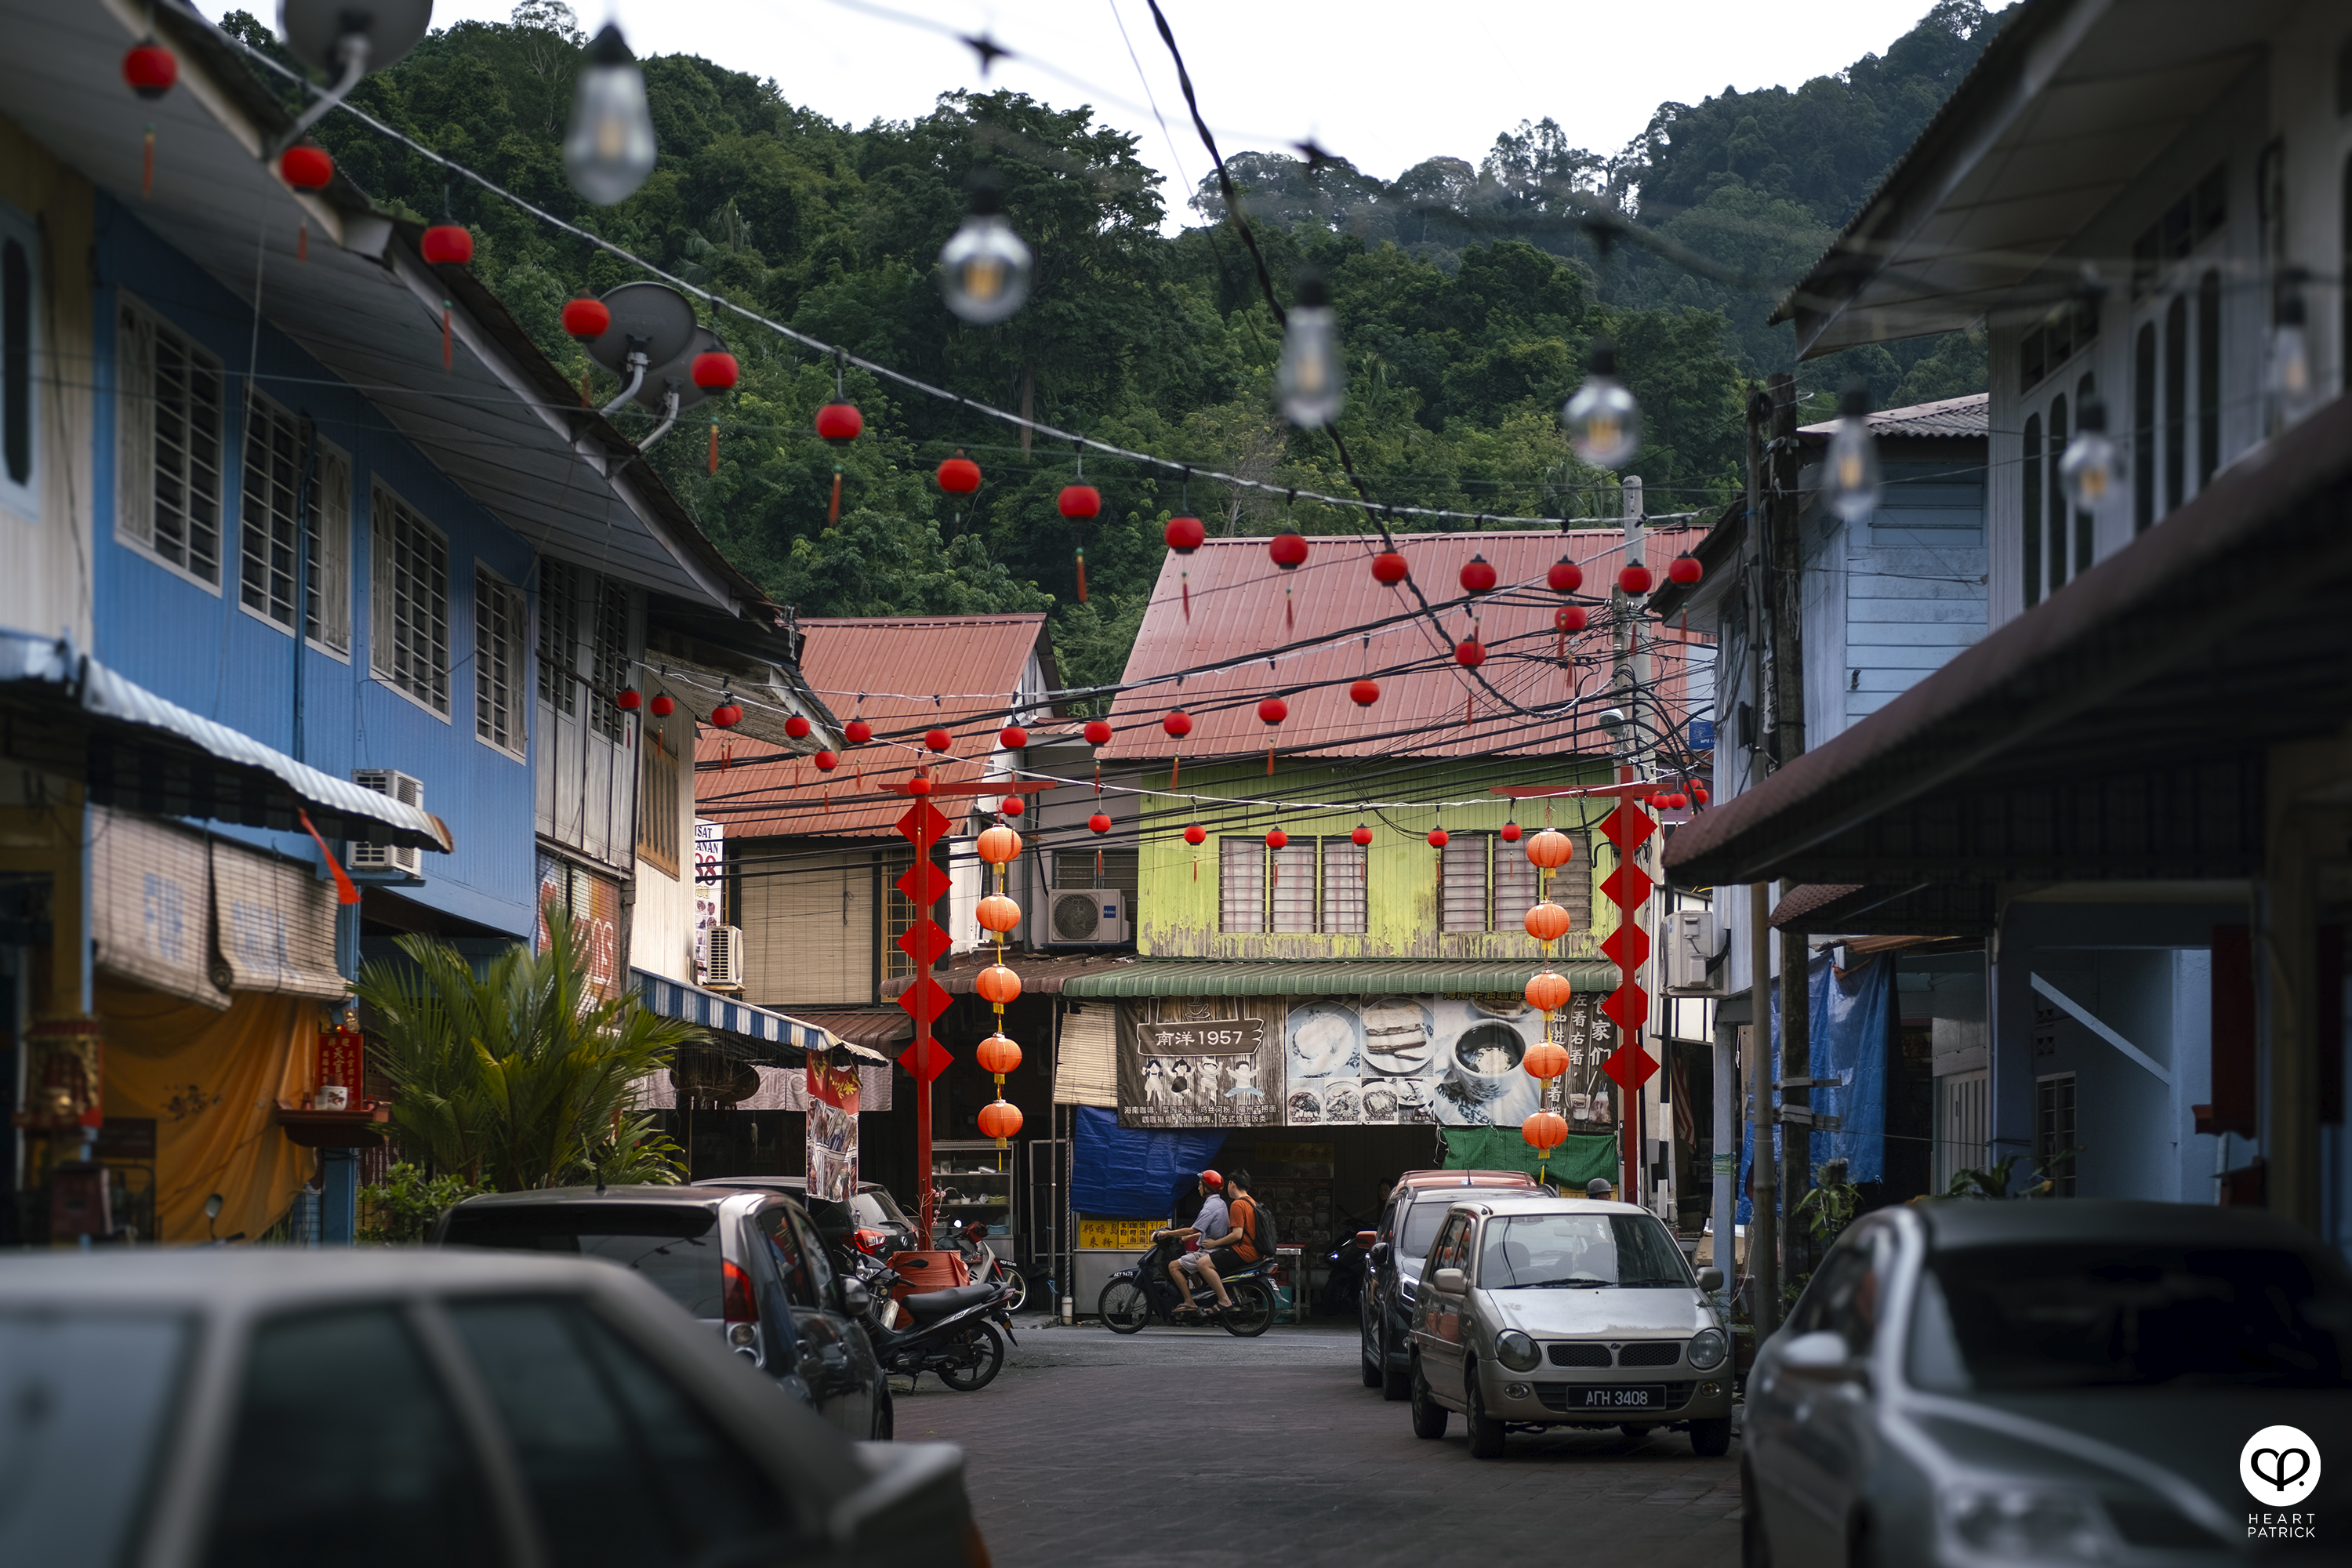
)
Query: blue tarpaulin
[
  {"x": 1848, "y": 1015},
  {"x": 1128, "y": 1172}
]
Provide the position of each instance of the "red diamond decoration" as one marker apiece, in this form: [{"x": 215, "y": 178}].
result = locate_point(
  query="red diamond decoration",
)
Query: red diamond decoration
[
  {"x": 923, "y": 825},
  {"x": 1627, "y": 887},
  {"x": 1631, "y": 1066},
  {"x": 924, "y": 1001},
  {"x": 912, "y": 1060},
  {"x": 924, "y": 941},
  {"x": 1627, "y": 946},
  {"x": 1628, "y": 828},
  {"x": 923, "y": 883},
  {"x": 1629, "y": 1005}
]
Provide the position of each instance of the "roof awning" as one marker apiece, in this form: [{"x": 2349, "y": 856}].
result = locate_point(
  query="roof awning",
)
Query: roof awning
[
  {"x": 872, "y": 1026},
  {"x": 135, "y": 751},
  {"x": 740, "y": 1030},
  {"x": 1362, "y": 977}
]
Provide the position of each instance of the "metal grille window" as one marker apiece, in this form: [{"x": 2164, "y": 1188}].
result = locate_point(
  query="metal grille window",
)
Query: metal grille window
[
  {"x": 498, "y": 661},
  {"x": 1515, "y": 884},
  {"x": 1119, "y": 869},
  {"x": 1293, "y": 891},
  {"x": 1572, "y": 887},
  {"x": 326, "y": 588},
  {"x": 657, "y": 801},
  {"x": 1344, "y": 904},
  {"x": 1463, "y": 873},
  {"x": 559, "y": 635},
  {"x": 1241, "y": 884},
  {"x": 270, "y": 507},
  {"x": 409, "y": 595},
  {"x": 609, "y": 670},
  {"x": 168, "y": 446},
  {"x": 2054, "y": 1131}
]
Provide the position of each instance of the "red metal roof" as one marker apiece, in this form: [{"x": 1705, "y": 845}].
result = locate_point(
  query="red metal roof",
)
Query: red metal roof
[
  {"x": 903, "y": 675},
  {"x": 1428, "y": 706}
]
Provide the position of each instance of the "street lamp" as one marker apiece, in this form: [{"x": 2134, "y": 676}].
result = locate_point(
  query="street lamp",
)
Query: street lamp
[{"x": 609, "y": 150}]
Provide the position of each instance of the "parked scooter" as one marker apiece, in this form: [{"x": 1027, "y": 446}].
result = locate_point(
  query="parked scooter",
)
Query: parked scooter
[
  {"x": 1136, "y": 1296},
  {"x": 953, "y": 1332},
  {"x": 982, "y": 1262}
]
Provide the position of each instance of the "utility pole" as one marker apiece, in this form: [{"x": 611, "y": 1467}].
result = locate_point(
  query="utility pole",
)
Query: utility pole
[
  {"x": 1763, "y": 1232},
  {"x": 1784, "y": 525}
]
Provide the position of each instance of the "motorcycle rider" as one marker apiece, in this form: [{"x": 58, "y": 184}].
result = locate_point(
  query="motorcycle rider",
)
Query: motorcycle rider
[
  {"x": 1238, "y": 1245},
  {"x": 1189, "y": 1270}
]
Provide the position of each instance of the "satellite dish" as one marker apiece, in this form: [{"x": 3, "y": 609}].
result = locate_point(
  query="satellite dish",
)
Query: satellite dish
[
  {"x": 315, "y": 30},
  {"x": 678, "y": 376},
  {"x": 649, "y": 318}
]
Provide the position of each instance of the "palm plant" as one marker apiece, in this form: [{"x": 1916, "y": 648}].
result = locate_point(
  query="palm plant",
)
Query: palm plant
[{"x": 520, "y": 1076}]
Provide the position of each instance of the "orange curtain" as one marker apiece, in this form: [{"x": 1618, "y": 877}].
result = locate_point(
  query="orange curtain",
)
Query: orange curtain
[{"x": 212, "y": 1080}]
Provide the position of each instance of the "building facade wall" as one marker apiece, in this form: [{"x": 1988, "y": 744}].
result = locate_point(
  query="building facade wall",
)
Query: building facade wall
[{"x": 45, "y": 566}]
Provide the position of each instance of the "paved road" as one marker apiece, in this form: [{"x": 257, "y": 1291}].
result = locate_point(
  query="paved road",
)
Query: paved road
[{"x": 1090, "y": 1447}]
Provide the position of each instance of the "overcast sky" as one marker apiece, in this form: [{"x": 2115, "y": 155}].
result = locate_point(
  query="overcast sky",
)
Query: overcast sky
[{"x": 1379, "y": 83}]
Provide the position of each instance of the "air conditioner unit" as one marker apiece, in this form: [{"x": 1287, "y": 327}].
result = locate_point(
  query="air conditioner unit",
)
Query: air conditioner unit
[
  {"x": 1086, "y": 917},
  {"x": 722, "y": 968},
  {"x": 1689, "y": 948},
  {"x": 383, "y": 856}
]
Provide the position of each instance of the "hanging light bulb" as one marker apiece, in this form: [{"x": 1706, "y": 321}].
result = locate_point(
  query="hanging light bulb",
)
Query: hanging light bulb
[
  {"x": 2088, "y": 470},
  {"x": 1604, "y": 422},
  {"x": 2290, "y": 375},
  {"x": 1310, "y": 380},
  {"x": 985, "y": 267},
  {"x": 609, "y": 150},
  {"x": 1854, "y": 457}
]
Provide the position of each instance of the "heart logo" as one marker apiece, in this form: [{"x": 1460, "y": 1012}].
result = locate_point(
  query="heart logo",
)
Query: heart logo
[
  {"x": 2278, "y": 1475},
  {"x": 2279, "y": 1467}
]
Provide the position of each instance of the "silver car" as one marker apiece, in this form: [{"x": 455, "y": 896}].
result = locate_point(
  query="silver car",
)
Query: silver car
[
  {"x": 2066, "y": 1382},
  {"x": 1546, "y": 1312}
]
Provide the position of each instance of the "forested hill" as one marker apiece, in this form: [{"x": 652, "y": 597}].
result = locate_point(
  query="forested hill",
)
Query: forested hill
[{"x": 1467, "y": 298}]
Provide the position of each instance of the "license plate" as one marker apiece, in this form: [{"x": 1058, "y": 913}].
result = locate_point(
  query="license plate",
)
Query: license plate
[{"x": 1647, "y": 1397}]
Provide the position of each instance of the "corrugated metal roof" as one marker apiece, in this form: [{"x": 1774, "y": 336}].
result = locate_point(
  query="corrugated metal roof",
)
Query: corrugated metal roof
[
  {"x": 1363, "y": 977},
  {"x": 1957, "y": 417},
  {"x": 1435, "y": 710},
  {"x": 1041, "y": 975},
  {"x": 903, "y": 675}
]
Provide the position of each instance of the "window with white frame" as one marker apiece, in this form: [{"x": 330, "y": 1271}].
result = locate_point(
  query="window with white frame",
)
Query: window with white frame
[
  {"x": 1344, "y": 901},
  {"x": 20, "y": 315},
  {"x": 168, "y": 445},
  {"x": 1309, "y": 885},
  {"x": 1241, "y": 884},
  {"x": 1462, "y": 876},
  {"x": 1290, "y": 897},
  {"x": 559, "y": 635},
  {"x": 498, "y": 624},
  {"x": 294, "y": 485},
  {"x": 409, "y": 604},
  {"x": 609, "y": 662}
]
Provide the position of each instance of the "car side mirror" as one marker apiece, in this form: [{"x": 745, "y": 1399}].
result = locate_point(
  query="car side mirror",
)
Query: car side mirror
[
  {"x": 1380, "y": 1252},
  {"x": 1365, "y": 1239},
  {"x": 856, "y": 1300},
  {"x": 1710, "y": 1280},
  {"x": 1450, "y": 1282},
  {"x": 1823, "y": 1355}
]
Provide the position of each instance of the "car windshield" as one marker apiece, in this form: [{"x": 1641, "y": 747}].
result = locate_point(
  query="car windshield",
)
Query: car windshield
[
  {"x": 2029, "y": 1318},
  {"x": 672, "y": 1245},
  {"x": 877, "y": 1210},
  {"x": 83, "y": 1402},
  {"x": 1421, "y": 1223},
  {"x": 1579, "y": 1251}
]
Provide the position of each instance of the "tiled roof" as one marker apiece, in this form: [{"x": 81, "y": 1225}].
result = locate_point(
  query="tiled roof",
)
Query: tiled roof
[{"x": 1961, "y": 416}]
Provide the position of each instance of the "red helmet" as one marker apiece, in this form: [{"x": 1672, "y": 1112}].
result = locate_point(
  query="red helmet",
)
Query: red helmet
[{"x": 1211, "y": 1179}]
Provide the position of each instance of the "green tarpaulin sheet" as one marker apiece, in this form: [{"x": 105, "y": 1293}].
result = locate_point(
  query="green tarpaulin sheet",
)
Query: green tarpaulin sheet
[{"x": 1576, "y": 1162}]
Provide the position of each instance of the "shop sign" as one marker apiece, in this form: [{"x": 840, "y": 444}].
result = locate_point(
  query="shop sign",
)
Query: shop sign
[
  {"x": 593, "y": 902},
  {"x": 709, "y": 893},
  {"x": 1195, "y": 1072},
  {"x": 1117, "y": 1234},
  {"x": 832, "y": 1130}
]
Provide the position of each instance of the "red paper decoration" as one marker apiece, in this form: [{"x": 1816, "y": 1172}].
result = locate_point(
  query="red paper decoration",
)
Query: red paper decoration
[
  {"x": 305, "y": 167},
  {"x": 958, "y": 476},
  {"x": 1184, "y": 534},
  {"x": 1547, "y": 922},
  {"x": 1178, "y": 724},
  {"x": 1389, "y": 569},
  {"x": 840, "y": 423},
  {"x": 1477, "y": 576},
  {"x": 997, "y": 1054},
  {"x": 1470, "y": 653},
  {"x": 1288, "y": 550},
  {"x": 997, "y": 912},
  {"x": 1635, "y": 579},
  {"x": 797, "y": 727},
  {"x": 1362, "y": 834},
  {"x": 1546, "y": 1059},
  {"x": 826, "y": 762},
  {"x": 1098, "y": 823},
  {"x": 727, "y": 715},
  {"x": 998, "y": 985},
  {"x": 1079, "y": 503},
  {"x": 1011, "y": 806},
  {"x": 1545, "y": 1131},
  {"x": 1277, "y": 839},
  {"x": 857, "y": 732},
  {"x": 1097, "y": 732},
  {"x": 1000, "y": 1118},
  {"x": 1273, "y": 711},
  {"x": 1013, "y": 738},
  {"x": 938, "y": 739},
  {"x": 918, "y": 784},
  {"x": 662, "y": 706},
  {"x": 1569, "y": 618},
  {"x": 150, "y": 69},
  {"x": 1565, "y": 576},
  {"x": 628, "y": 699},
  {"x": 999, "y": 846},
  {"x": 1364, "y": 693},
  {"x": 1439, "y": 839},
  {"x": 1547, "y": 993},
  {"x": 1551, "y": 848},
  {"x": 1511, "y": 831},
  {"x": 1196, "y": 834},
  {"x": 587, "y": 318},
  {"x": 1684, "y": 569},
  {"x": 715, "y": 369},
  {"x": 448, "y": 245}
]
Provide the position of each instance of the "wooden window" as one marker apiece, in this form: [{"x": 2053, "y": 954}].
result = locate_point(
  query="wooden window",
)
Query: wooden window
[
  {"x": 2175, "y": 403},
  {"x": 559, "y": 635},
  {"x": 20, "y": 324},
  {"x": 2054, "y": 1131},
  {"x": 609, "y": 668},
  {"x": 1463, "y": 903},
  {"x": 1291, "y": 892},
  {"x": 2030, "y": 471},
  {"x": 660, "y": 770},
  {"x": 2057, "y": 493},
  {"x": 168, "y": 441},
  {"x": 2208, "y": 375},
  {"x": 409, "y": 603},
  {"x": 1241, "y": 884},
  {"x": 1345, "y": 906},
  {"x": 2144, "y": 428},
  {"x": 499, "y": 623}
]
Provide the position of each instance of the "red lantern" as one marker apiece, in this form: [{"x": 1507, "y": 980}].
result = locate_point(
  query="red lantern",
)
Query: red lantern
[
  {"x": 1079, "y": 502},
  {"x": 1178, "y": 724},
  {"x": 1470, "y": 654},
  {"x": 307, "y": 167},
  {"x": 997, "y": 984},
  {"x": 628, "y": 699},
  {"x": 727, "y": 715},
  {"x": 1511, "y": 831},
  {"x": 997, "y": 912},
  {"x": 1699, "y": 792},
  {"x": 1565, "y": 576},
  {"x": 999, "y": 846},
  {"x": 958, "y": 476},
  {"x": 1277, "y": 839},
  {"x": 1569, "y": 618},
  {"x": 1288, "y": 550},
  {"x": 1546, "y": 1059},
  {"x": 1184, "y": 534},
  {"x": 1684, "y": 569},
  {"x": 1546, "y": 1131},
  {"x": 1097, "y": 732},
  {"x": 1547, "y": 922},
  {"x": 997, "y": 1055},
  {"x": 150, "y": 69},
  {"x": 715, "y": 369},
  {"x": 587, "y": 318},
  {"x": 1389, "y": 569},
  {"x": 857, "y": 732},
  {"x": 1013, "y": 738},
  {"x": 938, "y": 739},
  {"x": 1477, "y": 576},
  {"x": 662, "y": 706},
  {"x": 839, "y": 422},
  {"x": 1273, "y": 711},
  {"x": 920, "y": 785},
  {"x": 1364, "y": 693},
  {"x": 1098, "y": 823},
  {"x": 1438, "y": 838},
  {"x": 826, "y": 762},
  {"x": 1681, "y": 801},
  {"x": 448, "y": 245},
  {"x": 1551, "y": 848},
  {"x": 1011, "y": 806},
  {"x": 797, "y": 727},
  {"x": 1635, "y": 579},
  {"x": 1196, "y": 834},
  {"x": 1000, "y": 1119},
  {"x": 1547, "y": 993},
  {"x": 1362, "y": 835}
]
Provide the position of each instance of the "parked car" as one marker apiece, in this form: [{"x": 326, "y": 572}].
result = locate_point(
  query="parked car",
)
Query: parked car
[
  {"x": 871, "y": 1221},
  {"x": 749, "y": 1264},
  {"x": 1552, "y": 1312},
  {"x": 2067, "y": 1381},
  {"x": 383, "y": 1409},
  {"x": 1409, "y": 1223}
]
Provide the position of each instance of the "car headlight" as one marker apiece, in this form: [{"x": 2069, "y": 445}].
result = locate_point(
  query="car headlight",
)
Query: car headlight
[
  {"x": 2016, "y": 1522},
  {"x": 1707, "y": 1348},
  {"x": 1517, "y": 1352}
]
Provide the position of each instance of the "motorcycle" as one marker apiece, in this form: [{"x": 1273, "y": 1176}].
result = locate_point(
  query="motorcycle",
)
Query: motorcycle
[
  {"x": 982, "y": 1262},
  {"x": 1343, "y": 1278},
  {"x": 1136, "y": 1296},
  {"x": 953, "y": 1332}
]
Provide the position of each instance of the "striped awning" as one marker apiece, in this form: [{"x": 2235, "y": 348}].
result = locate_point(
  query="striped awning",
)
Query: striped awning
[
  {"x": 736, "y": 1026},
  {"x": 1306, "y": 977}
]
